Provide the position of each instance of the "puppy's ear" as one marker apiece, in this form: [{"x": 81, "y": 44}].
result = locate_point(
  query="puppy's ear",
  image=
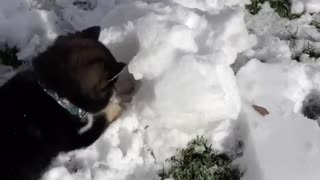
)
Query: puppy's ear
[{"x": 91, "y": 32}]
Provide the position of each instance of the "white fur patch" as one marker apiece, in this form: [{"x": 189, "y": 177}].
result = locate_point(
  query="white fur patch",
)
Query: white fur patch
[{"x": 88, "y": 125}]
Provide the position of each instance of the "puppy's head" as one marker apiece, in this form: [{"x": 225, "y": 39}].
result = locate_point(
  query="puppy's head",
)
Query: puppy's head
[{"x": 80, "y": 68}]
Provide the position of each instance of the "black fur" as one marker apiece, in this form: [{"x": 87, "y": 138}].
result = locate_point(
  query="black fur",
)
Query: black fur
[{"x": 34, "y": 127}]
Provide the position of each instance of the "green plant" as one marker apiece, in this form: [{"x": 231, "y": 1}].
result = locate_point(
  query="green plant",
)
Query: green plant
[
  {"x": 198, "y": 161},
  {"x": 8, "y": 56},
  {"x": 281, "y": 7},
  {"x": 316, "y": 24},
  {"x": 255, "y": 6},
  {"x": 311, "y": 52}
]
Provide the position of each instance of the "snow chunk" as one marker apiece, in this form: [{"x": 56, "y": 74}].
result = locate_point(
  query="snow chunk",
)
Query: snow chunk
[
  {"x": 258, "y": 82},
  {"x": 298, "y": 6},
  {"x": 209, "y": 5},
  {"x": 60, "y": 173}
]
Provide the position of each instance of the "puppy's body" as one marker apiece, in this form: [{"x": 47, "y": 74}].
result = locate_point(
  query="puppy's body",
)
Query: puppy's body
[{"x": 34, "y": 127}]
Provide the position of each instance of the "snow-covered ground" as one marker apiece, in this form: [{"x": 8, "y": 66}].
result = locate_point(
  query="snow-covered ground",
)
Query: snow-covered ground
[{"x": 201, "y": 65}]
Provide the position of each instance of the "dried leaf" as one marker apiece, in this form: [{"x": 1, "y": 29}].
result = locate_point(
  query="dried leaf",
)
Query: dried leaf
[{"x": 261, "y": 110}]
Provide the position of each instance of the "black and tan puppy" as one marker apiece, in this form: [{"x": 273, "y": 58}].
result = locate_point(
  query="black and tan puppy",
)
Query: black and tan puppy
[{"x": 37, "y": 122}]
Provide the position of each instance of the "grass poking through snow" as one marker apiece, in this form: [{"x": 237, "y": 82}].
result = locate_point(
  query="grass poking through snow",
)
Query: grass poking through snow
[
  {"x": 281, "y": 7},
  {"x": 198, "y": 161}
]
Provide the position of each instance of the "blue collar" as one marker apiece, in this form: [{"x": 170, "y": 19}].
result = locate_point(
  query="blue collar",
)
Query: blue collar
[{"x": 66, "y": 104}]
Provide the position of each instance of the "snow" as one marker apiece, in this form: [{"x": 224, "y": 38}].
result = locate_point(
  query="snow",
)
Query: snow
[
  {"x": 199, "y": 67},
  {"x": 299, "y": 6}
]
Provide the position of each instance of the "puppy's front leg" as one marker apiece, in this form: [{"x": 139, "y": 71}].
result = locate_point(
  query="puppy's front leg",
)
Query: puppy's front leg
[{"x": 95, "y": 126}]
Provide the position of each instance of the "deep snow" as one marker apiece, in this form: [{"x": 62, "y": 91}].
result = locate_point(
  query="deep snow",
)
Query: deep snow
[{"x": 181, "y": 53}]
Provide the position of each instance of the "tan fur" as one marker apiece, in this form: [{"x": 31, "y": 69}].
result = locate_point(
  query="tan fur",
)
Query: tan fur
[
  {"x": 125, "y": 88},
  {"x": 112, "y": 111}
]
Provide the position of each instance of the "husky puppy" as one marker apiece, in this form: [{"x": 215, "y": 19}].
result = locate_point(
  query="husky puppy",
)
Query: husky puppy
[{"x": 59, "y": 105}]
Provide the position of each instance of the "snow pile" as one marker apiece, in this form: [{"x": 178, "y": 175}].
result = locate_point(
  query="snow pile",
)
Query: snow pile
[{"x": 176, "y": 95}]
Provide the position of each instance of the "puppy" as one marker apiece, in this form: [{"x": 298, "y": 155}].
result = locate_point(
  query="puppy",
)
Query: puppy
[{"x": 37, "y": 120}]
